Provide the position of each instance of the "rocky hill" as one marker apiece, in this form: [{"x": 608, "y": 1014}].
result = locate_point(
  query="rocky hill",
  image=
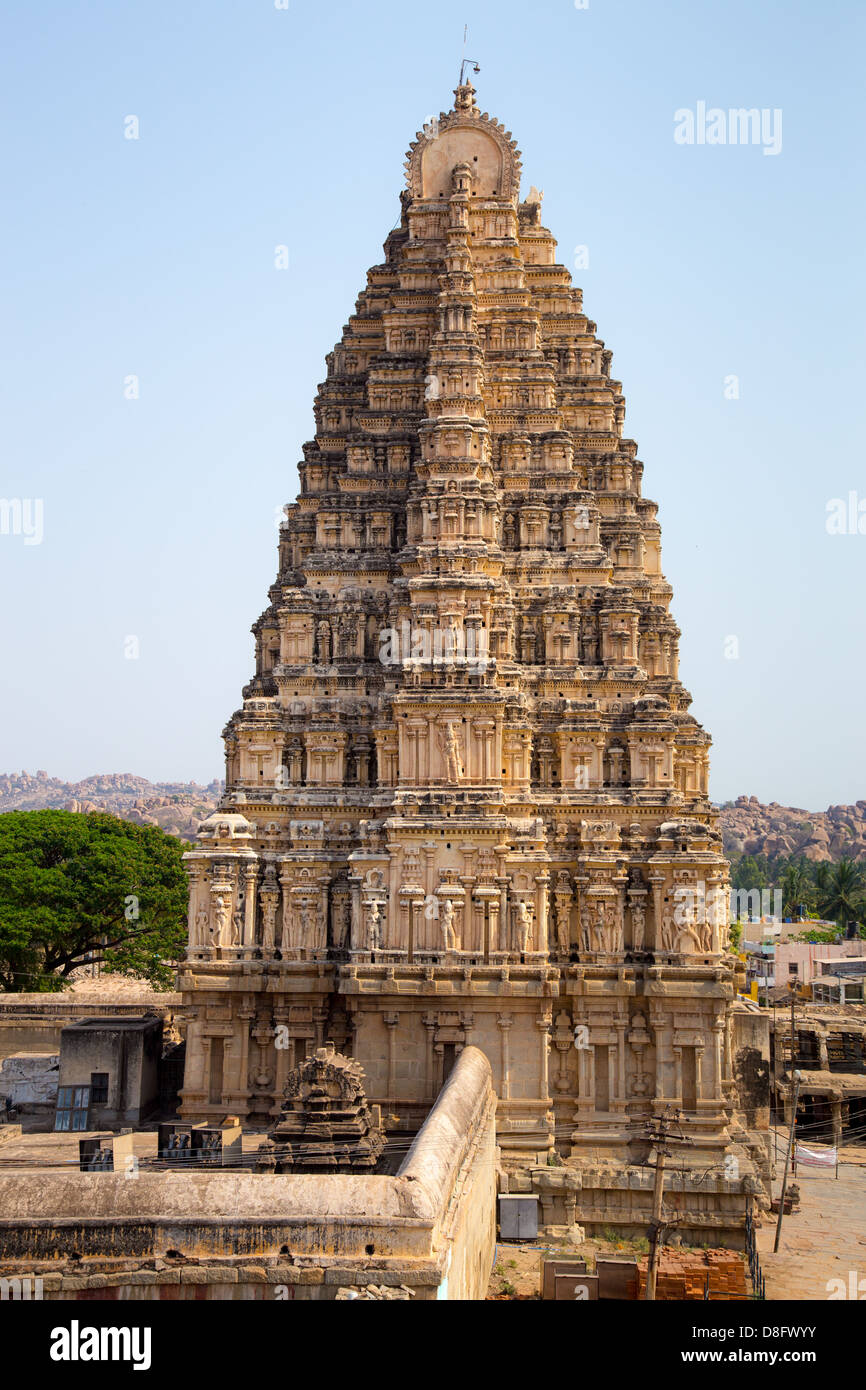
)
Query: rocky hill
[
  {"x": 748, "y": 826},
  {"x": 753, "y": 828},
  {"x": 176, "y": 807}
]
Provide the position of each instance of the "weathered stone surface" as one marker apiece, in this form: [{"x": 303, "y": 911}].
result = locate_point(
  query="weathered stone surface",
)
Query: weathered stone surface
[
  {"x": 466, "y": 802},
  {"x": 325, "y": 1124}
]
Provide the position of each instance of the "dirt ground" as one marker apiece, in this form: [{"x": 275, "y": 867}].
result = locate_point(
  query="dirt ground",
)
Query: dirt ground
[{"x": 825, "y": 1238}]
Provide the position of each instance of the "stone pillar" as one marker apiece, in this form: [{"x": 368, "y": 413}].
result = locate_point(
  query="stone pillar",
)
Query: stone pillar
[
  {"x": 502, "y": 881},
  {"x": 251, "y": 873},
  {"x": 541, "y": 901},
  {"x": 718, "y": 1044},
  {"x": 357, "y": 941},
  {"x": 583, "y": 1076},
  {"x": 429, "y": 1021},
  {"x": 658, "y": 1035},
  {"x": 286, "y": 916},
  {"x": 543, "y": 1025},
  {"x": 281, "y": 1065},
  {"x": 505, "y": 1021},
  {"x": 621, "y": 1094},
  {"x": 246, "y": 1014},
  {"x": 390, "y": 1021},
  {"x": 836, "y": 1116}
]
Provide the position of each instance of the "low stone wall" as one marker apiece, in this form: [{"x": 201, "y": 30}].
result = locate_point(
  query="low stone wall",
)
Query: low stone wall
[
  {"x": 708, "y": 1207},
  {"x": 247, "y": 1235},
  {"x": 32, "y": 1022}
]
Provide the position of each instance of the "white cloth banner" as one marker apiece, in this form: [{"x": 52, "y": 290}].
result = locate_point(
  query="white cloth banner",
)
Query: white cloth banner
[{"x": 816, "y": 1158}]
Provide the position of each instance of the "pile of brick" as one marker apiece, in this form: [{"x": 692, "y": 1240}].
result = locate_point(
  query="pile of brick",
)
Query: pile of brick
[{"x": 684, "y": 1274}]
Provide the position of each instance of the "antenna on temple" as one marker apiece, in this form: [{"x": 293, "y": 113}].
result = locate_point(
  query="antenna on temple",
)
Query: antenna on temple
[{"x": 475, "y": 67}]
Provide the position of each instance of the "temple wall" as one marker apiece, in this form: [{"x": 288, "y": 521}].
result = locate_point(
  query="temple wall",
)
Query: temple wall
[{"x": 431, "y": 1227}]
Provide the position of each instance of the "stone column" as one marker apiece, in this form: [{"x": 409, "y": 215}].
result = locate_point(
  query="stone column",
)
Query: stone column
[
  {"x": 251, "y": 873},
  {"x": 836, "y": 1115},
  {"x": 543, "y": 1025},
  {"x": 357, "y": 940},
  {"x": 621, "y": 1093},
  {"x": 505, "y": 1021},
  {"x": 286, "y": 916},
  {"x": 503, "y": 912},
  {"x": 429, "y": 1021},
  {"x": 583, "y": 1086},
  {"x": 699, "y": 1075},
  {"x": 246, "y": 1014},
  {"x": 718, "y": 1044},
  {"x": 282, "y": 1054},
  {"x": 727, "y": 1051},
  {"x": 390, "y": 1021},
  {"x": 658, "y": 1030},
  {"x": 492, "y": 926},
  {"x": 541, "y": 900},
  {"x": 611, "y": 1074}
]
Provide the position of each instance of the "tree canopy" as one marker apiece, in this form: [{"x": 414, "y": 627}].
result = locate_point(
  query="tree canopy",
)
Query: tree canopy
[
  {"x": 833, "y": 891},
  {"x": 76, "y": 888}
]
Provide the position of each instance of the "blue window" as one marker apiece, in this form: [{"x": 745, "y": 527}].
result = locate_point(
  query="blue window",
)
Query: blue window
[{"x": 73, "y": 1103}]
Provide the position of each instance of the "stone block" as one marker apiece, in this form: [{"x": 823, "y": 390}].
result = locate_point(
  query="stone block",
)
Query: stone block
[{"x": 205, "y": 1275}]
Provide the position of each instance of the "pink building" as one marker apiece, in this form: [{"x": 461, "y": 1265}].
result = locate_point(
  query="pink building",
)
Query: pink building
[{"x": 800, "y": 958}]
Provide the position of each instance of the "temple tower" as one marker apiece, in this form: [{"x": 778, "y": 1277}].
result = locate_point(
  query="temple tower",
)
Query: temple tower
[{"x": 466, "y": 800}]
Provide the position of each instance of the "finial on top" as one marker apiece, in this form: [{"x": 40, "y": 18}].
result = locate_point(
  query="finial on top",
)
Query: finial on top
[{"x": 464, "y": 97}]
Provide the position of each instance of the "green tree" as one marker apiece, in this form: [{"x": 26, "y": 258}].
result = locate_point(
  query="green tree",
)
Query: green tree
[
  {"x": 821, "y": 878},
  {"x": 749, "y": 873},
  {"x": 843, "y": 898},
  {"x": 797, "y": 887},
  {"x": 75, "y": 888}
]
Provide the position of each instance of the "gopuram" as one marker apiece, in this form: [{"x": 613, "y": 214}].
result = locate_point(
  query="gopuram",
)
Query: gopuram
[{"x": 466, "y": 801}]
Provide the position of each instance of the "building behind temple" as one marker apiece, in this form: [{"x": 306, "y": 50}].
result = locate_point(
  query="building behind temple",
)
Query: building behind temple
[{"x": 466, "y": 801}]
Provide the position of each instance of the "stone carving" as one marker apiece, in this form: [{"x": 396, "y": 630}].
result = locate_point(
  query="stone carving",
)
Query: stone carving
[
  {"x": 374, "y": 926},
  {"x": 451, "y": 753},
  {"x": 220, "y": 919},
  {"x": 638, "y": 925},
  {"x": 669, "y": 931},
  {"x": 585, "y": 929},
  {"x": 446, "y": 924},
  {"x": 340, "y": 921},
  {"x": 326, "y": 1124},
  {"x": 522, "y": 928},
  {"x": 202, "y": 927}
]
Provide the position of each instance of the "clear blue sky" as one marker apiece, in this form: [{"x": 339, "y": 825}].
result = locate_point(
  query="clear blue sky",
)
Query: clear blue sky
[{"x": 261, "y": 126}]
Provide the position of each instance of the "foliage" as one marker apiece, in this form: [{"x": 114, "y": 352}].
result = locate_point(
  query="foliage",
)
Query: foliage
[
  {"x": 842, "y": 899},
  {"x": 834, "y": 891},
  {"x": 77, "y": 888}
]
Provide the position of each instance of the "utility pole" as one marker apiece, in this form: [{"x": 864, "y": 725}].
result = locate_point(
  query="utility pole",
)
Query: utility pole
[
  {"x": 659, "y": 1138},
  {"x": 795, "y": 1077},
  {"x": 793, "y": 988}
]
